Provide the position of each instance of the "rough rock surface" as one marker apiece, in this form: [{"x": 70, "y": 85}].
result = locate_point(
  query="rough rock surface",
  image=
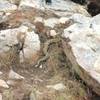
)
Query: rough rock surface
[
  {"x": 59, "y": 86},
  {"x": 3, "y": 84},
  {"x": 58, "y": 6},
  {"x": 0, "y": 96},
  {"x": 6, "y": 6},
  {"x": 84, "y": 48},
  {"x": 31, "y": 45},
  {"x": 14, "y": 76}
]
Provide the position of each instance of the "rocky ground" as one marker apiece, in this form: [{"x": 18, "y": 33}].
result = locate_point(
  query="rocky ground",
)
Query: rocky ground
[{"x": 36, "y": 64}]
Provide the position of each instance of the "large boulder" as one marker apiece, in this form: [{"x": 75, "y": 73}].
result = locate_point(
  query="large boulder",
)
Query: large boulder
[
  {"x": 83, "y": 49},
  {"x": 59, "y": 7}
]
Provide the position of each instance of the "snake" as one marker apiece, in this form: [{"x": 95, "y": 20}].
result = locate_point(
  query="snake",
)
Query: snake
[{"x": 46, "y": 48}]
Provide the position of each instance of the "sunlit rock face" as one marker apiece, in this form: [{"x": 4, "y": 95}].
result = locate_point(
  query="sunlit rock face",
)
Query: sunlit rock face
[
  {"x": 16, "y": 2},
  {"x": 9, "y": 38},
  {"x": 60, "y": 7},
  {"x": 6, "y": 6},
  {"x": 84, "y": 37}
]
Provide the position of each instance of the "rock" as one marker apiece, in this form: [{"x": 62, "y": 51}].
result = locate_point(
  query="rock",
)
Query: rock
[
  {"x": 58, "y": 7},
  {"x": 31, "y": 45},
  {"x": 7, "y": 14},
  {"x": 38, "y": 19},
  {"x": 63, "y": 20},
  {"x": 31, "y": 3},
  {"x": 3, "y": 18},
  {"x": 95, "y": 23},
  {"x": 14, "y": 76},
  {"x": 7, "y": 7},
  {"x": 1, "y": 73},
  {"x": 83, "y": 49},
  {"x": 3, "y": 84},
  {"x": 51, "y": 22},
  {"x": 14, "y": 82},
  {"x": 0, "y": 96},
  {"x": 59, "y": 86},
  {"x": 80, "y": 18},
  {"x": 81, "y": 23},
  {"x": 16, "y": 2},
  {"x": 33, "y": 96},
  {"x": 71, "y": 7},
  {"x": 11, "y": 83},
  {"x": 97, "y": 65},
  {"x": 53, "y": 33},
  {"x": 41, "y": 66}
]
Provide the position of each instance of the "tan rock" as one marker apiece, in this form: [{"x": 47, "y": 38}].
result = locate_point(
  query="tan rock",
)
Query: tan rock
[
  {"x": 59, "y": 86},
  {"x": 14, "y": 76},
  {"x": 83, "y": 49},
  {"x": 0, "y": 96},
  {"x": 97, "y": 64},
  {"x": 53, "y": 33},
  {"x": 63, "y": 20},
  {"x": 3, "y": 84},
  {"x": 31, "y": 45},
  {"x": 1, "y": 73},
  {"x": 14, "y": 83}
]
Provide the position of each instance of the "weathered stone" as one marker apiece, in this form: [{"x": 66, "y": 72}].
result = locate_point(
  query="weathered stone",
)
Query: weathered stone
[
  {"x": 51, "y": 22},
  {"x": 11, "y": 83},
  {"x": 53, "y": 33},
  {"x": 0, "y": 96},
  {"x": 15, "y": 76},
  {"x": 38, "y": 19},
  {"x": 95, "y": 23},
  {"x": 3, "y": 84},
  {"x": 7, "y": 7},
  {"x": 1, "y": 73},
  {"x": 31, "y": 3},
  {"x": 16, "y": 2},
  {"x": 83, "y": 49},
  {"x": 63, "y": 20},
  {"x": 14, "y": 82},
  {"x": 59, "y": 86},
  {"x": 97, "y": 65},
  {"x": 58, "y": 6},
  {"x": 33, "y": 95},
  {"x": 10, "y": 37}
]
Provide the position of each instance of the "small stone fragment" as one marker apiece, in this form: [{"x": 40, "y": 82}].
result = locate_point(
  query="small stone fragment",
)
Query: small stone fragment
[
  {"x": 51, "y": 22},
  {"x": 0, "y": 96},
  {"x": 63, "y": 20},
  {"x": 3, "y": 84},
  {"x": 59, "y": 86},
  {"x": 1, "y": 73},
  {"x": 13, "y": 75},
  {"x": 32, "y": 96},
  {"x": 97, "y": 65},
  {"x": 38, "y": 19}
]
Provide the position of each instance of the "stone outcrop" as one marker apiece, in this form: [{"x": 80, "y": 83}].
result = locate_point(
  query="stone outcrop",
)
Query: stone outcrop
[{"x": 83, "y": 48}]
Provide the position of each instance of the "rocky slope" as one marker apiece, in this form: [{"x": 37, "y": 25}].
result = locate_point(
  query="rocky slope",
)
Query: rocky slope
[{"x": 48, "y": 52}]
